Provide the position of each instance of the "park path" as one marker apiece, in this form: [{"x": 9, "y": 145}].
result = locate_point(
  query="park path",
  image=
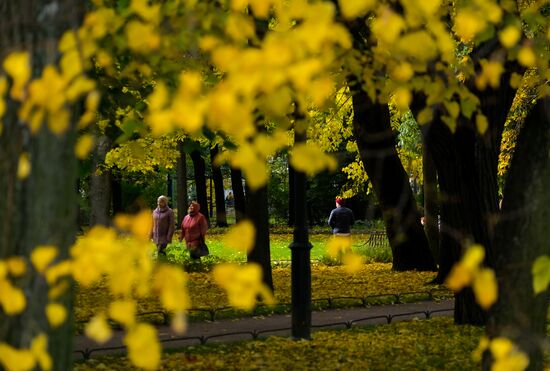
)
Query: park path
[{"x": 247, "y": 328}]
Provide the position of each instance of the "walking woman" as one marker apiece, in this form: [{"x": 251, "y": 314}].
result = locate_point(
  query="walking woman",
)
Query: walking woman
[
  {"x": 163, "y": 225},
  {"x": 193, "y": 229}
]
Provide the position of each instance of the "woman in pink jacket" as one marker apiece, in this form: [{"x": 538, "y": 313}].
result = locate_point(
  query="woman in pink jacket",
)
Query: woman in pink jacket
[{"x": 193, "y": 227}]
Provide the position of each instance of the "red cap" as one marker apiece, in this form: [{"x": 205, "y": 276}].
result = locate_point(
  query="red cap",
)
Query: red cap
[{"x": 339, "y": 200}]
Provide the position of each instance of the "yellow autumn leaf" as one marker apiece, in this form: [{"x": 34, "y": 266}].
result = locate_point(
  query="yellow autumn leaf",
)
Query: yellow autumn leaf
[
  {"x": 468, "y": 24},
  {"x": 142, "y": 224},
  {"x": 485, "y": 287},
  {"x": 482, "y": 124},
  {"x": 526, "y": 56},
  {"x": 459, "y": 277},
  {"x": 310, "y": 159},
  {"x": 402, "y": 97},
  {"x": 39, "y": 348},
  {"x": 242, "y": 284},
  {"x": 241, "y": 236},
  {"x": 507, "y": 356},
  {"x": 402, "y": 72},
  {"x": 355, "y": 8},
  {"x": 142, "y": 37},
  {"x": 509, "y": 36},
  {"x": 24, "y": 166},
  {"x": 338, "y": 245},
  {"x": 18, "y": 66},
  {"x": 16, "y": 359},
  {"x": 387, "y": 25},
  {"x": 42, "y": 256},
  {"x": 59, "y": 121},
  {"x": 143, "y": 346},
  {"x": 353, "y": 262},
  {"x": 13, "y": 299},
  {"x": 541, "y": 274},
  {"x": 56, "y": 314},
  {"x": 16, "y": 266},
  {"x": 490, "y": 74},
  {"x": 83, "y": 146},
  {"x": 123, "y": 311},
  {"x": 473, "y": 256},
  {"x": 98, "y": 329},
  {"x": 170, "y": 283}
]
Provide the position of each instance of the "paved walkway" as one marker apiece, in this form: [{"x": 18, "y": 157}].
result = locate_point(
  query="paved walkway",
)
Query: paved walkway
[{"x": 248, "y": 328}]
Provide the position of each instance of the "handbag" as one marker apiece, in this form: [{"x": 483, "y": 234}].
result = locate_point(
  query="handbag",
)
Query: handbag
[{"x": 200, "y": 251}]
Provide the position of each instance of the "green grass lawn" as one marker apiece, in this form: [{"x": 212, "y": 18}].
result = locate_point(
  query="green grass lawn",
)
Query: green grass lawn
[{"x": 279, "y": 247}]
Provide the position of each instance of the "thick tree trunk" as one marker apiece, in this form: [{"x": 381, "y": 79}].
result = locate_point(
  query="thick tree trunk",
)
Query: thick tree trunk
[
  {"x": 41, "y": 209},
  {"x": 238, "y": 194},
  {"x": 100, "y": 185},
  {"x": 257, "y": 212},
  {"x": 221, "y": 217},
  {"x": 199, "y": 169},
  {"x": 431, "y": 202},
  {"x": 521, "y": 237},
  {"x": 376, "y": 142},
  {"x": 183, "y": 196}
]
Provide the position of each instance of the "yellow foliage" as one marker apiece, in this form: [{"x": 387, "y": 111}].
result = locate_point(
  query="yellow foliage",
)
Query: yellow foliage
[
  {"x": 39, "y": 349},
  {"x": 16, "y": 359},
  {"x": 18, "y": 66},
  {"x": 170, "y": 283},
  {"x": 485, "y": 288},
  {"x": 24, "y": 166},
  {"x": 388, "y": 25},
  {"x": 42, "y": 256},
  {"x": 526, "y": 56},
  {"x": 241, "y": 236},
  {"x": 459, "y": 277},
  {"x": 13, "y": 299},
  {"x": 507, "y": 356},
  {"x": 468, "y": 24},
  {"x": 353, "y": 262},
  {"x": 310, "y": 159},
  {"x": 56, "y": 314},
  {"x": 242, "y": 284},
  {"x": 123, "y": 311},
  {"x": 541, "y": 274},
  {"x": 490, "y": 74},
  {"x": 355, "y": 8},
  {"x": 482, "y": 124},
  {"x": 142, "y": 37},
  {"x": 509, "y": 36},
  {"x": 16, "y": 266},
  {"x": 143, "y": 347},
  {"x": 402, "y": 98},
  {"x": 84, "y": 145},
  {"x": 98, "y": 329},
  {"x": 402, "y": 72}
]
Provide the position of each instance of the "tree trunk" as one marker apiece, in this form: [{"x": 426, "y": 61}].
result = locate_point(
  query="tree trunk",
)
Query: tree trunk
[
  {"x": 257, "y": 212},
  {"x": 39, "y": 209},
  {"x": 100, "y": 185},
  {"x": 199, "y": 169},
  {"x": 376, "y": 142},
  {"x": 221, "y": 217},
  {"x": 238, "y": 194},
  {"x": 183, "y": 197},
  {"x": 291, "y": 197},
  {"x": 521, "y": 237},
  {"x": 431, "y": 202}
]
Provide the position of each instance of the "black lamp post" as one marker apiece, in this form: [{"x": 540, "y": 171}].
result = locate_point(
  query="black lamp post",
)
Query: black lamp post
[{"x": 301, "y": 268}]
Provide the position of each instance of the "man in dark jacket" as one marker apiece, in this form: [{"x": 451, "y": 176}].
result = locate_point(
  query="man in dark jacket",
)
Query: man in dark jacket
[{"x": 341, "y": 219}]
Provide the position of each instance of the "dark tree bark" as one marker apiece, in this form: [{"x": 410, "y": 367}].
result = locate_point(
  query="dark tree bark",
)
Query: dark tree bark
[
  {"x": 376, "y": 142},
  {"x": 100, "y": 185},
  {"x": 199, "y": 169},
  {"x": 431, "y": 202},
  {"x": 116, "y": 189},
  {"x": 291, "y": 195},
  {"x": 238, "y": 194},
  {"x": 521, "y": 237},
  {"x": 42, "y": 208},
  {"x": 221, "y": 217},
  {"x": 257, "y": 212},
  {"x": 183, "y": 196}
]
